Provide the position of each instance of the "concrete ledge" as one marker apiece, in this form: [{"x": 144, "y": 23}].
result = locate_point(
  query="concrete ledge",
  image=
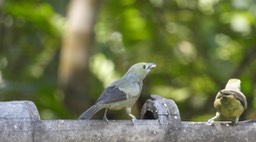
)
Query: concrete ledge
[
  {"x": 115, "y": 131},
  {"x": 29, "y": 127}
]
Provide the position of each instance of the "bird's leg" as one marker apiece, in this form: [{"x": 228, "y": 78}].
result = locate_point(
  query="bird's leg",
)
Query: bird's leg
[
  {"x": 128, "y": 111},
  {"x": 105, "y": 115},
  {"x": 210, "y": 121},
  {"x": 235, "y": 121}
]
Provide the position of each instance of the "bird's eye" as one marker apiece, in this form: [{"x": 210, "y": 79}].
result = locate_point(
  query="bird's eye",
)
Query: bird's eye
[{"x": 144, "y": 66}]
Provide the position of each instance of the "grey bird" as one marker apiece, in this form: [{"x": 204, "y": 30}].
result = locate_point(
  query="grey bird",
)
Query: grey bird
[{"x": 122, "y": 93}]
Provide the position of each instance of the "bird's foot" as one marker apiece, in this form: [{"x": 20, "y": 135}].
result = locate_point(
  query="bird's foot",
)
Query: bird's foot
[
  {"x": 133, "y": 120},
  {"x": 105, "y": 119},
  {"x": 210, "y": 121},
  {"x": 128, "y": 111}
]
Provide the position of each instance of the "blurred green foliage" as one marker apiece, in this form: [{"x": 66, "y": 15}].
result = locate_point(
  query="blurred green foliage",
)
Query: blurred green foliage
[{"x": 197, "y": 46}]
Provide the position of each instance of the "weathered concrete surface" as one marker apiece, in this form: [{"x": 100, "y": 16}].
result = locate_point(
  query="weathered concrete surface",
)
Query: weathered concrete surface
[
  {"x": 218, "y": 132},
  {"x": 161, "y": 109},
  {"x": 29, "y": 128},
  {"x": 99, "y": 131},
  {"x": 143, "y": 130},
  {"x": 19, "y": 110},
  {"x": 115, "y": 131},
  {"x": 17, "y": 119}
]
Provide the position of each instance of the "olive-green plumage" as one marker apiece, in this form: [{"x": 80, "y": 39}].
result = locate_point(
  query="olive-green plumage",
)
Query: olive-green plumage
[
  {"x": 122, "y": 93},
  {"x": 230, "y": 102}
]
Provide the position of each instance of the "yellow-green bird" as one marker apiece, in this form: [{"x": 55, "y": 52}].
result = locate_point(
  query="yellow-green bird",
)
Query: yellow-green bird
[
  {"x": 230, "y": 102},
  {"x": 122, "y": 93}
]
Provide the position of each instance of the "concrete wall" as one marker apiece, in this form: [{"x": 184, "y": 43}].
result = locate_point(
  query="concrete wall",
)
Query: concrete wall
[{"x": 20, "y": 122}]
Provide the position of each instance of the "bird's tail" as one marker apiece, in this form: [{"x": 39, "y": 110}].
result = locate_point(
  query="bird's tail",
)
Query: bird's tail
[{"x": 91, "y": 111}]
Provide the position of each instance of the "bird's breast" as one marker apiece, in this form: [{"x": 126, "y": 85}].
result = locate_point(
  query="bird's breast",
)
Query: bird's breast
[
  {"x": 229, "y": 107},
  {"x": 132, "y": 90},
  {"x": 122, "y": 104}
]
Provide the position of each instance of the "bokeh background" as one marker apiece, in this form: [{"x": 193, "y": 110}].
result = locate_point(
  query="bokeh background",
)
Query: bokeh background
[{"x": 61, "y": 54}]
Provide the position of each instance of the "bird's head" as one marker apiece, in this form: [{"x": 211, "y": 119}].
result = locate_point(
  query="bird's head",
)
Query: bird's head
[{"x": 140, "y": 70}]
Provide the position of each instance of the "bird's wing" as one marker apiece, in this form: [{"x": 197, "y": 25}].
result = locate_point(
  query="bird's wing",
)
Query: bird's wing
[
  {"x": 240, "y": 96},
  {"x": 112, "y": 94}
]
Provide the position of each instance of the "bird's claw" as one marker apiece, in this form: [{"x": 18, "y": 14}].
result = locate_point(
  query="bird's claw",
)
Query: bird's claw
[
  {"x": 105, "y": 119},
  {"x": 133, "y": 120},
  {"x": 210, "y": 121}
]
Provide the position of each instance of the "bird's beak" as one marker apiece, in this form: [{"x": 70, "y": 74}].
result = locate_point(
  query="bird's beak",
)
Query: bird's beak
[{"x": 150, "y": 66}]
